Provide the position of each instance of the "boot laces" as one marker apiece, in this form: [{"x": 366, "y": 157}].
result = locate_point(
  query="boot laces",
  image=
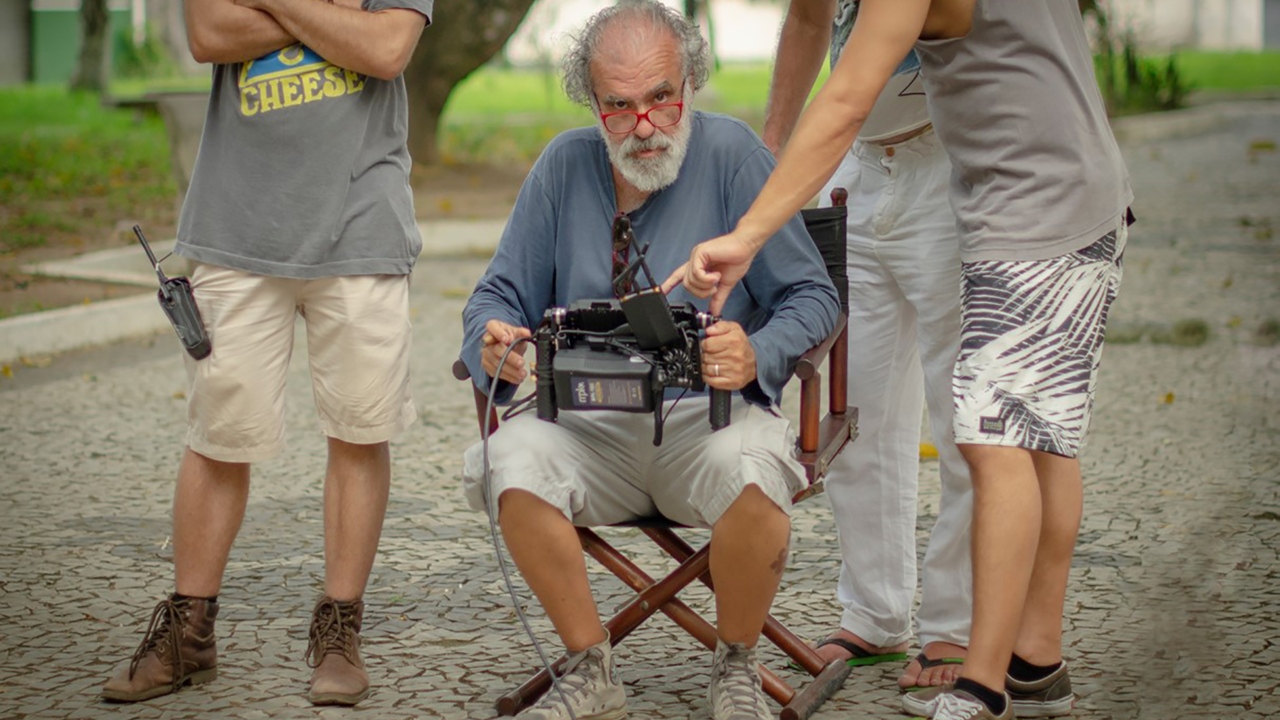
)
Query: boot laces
[
  {"x": 332, "y": 631},
  {"x": 573, "y": 685},
  {"x": 164, "y": 632},
  {"x": 738, "y": 686}
]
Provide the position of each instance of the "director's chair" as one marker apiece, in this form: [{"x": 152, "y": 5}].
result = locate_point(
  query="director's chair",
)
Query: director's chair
[{"x": 820, "y": 439}]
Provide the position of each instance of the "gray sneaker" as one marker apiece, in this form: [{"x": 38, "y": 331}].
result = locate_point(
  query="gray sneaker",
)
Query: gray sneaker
[
  {"x": 959, "y": 705},
  {"x": 591, "y": 688},
  {"x": 1048, "y": 697},
  {"x": 736, "y": 692}
]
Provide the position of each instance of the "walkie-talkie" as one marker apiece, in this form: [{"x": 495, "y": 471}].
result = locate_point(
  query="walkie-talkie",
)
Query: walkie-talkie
[{"x": 179, "y": 304}]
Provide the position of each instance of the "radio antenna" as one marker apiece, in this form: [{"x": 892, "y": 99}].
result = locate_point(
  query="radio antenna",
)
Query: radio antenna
[{"x": 622, "y": 231}]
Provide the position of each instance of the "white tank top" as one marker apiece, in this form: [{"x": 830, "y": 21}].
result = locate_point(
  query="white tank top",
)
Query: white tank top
[{"x": 901, "y": 107}]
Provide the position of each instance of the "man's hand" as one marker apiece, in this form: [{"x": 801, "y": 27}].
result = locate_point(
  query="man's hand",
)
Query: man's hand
[
  {"x": 498, "y": 336},
  {"x": 728, "y": 360},
  {"x": 714, "y": 267}
]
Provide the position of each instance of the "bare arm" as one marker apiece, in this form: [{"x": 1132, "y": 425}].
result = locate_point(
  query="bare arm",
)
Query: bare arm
[
  {"x": 377, "y": 44},
  {"x": 883, "y": 34},
  {"x": 220, "y": 31},
  {"x": 806, "y": 33}
]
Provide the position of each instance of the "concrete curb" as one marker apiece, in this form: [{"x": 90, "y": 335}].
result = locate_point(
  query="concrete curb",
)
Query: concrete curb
[
  {"x": 1155, "y": 127},
  {"x": 54, "y": 331}
]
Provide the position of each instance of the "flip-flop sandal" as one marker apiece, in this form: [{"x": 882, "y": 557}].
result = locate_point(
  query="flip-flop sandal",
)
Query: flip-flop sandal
[
  {"x": 926, "y": 663},
  {"x": 860, "y": 655}
]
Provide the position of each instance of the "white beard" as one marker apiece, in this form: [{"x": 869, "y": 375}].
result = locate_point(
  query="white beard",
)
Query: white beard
[{"x": 655, "y": 173}]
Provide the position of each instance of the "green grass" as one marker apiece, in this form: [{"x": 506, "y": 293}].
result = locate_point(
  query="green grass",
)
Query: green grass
[
  {"x": 1231, "y": 71},
  {"x": 57, "y": 146},
  {"x": 54, "y": 145},
  {"x": 500, "y": 115}
]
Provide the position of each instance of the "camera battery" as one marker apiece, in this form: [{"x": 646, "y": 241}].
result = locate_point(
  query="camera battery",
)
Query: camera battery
[{"x": 588, "y": 379}]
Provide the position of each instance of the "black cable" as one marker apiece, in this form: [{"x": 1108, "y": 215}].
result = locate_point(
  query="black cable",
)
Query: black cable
[
  {"x": 674, "y": 403},
  {"x": 491, "y": 507},
  {"x": 519, "y": 406}
]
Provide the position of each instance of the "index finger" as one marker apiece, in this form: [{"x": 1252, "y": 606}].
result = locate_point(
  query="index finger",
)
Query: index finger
[{"x": 674, "y": 279}]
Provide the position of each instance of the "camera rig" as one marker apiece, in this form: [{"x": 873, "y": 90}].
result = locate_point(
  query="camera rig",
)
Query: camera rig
[{"x": 622, "y": 354}]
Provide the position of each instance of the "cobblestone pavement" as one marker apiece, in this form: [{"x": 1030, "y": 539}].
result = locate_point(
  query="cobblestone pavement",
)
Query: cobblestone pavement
[{"x": 1173, "y": 604}]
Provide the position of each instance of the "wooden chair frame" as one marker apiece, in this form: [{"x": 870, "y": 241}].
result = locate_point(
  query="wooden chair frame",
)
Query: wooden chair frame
[{"x": 820, "y": 439}]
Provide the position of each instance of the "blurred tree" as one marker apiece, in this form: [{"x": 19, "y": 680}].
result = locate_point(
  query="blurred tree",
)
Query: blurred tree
[
  {"x": 169, "y": 21},
  {"x": 91, "y": 67},
  {"x": 694, "y": 8},
  {"x": 456, "y": 45}
]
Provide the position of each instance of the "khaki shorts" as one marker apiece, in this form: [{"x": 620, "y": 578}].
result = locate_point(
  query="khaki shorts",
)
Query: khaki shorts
[
  {"x": 358, "y": 337},
  {"x": 601, "y": 468}
]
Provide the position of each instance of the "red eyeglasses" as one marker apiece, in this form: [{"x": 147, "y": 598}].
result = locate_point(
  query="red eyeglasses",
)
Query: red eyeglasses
[{"x": 659, "y": 116}]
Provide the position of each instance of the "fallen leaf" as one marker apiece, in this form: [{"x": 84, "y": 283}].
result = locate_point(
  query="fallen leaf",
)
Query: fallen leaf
[
  {"x": 1168, "y": 398},
  {"x": 928, "y": 451},
  {"x": 6, "y": 371}
]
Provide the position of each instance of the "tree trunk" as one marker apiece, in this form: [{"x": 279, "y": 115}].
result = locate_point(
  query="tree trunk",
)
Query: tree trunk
[
  {"x": 170, "y": 21},
  {"x": 91, "y": 68},
  {"x": 454, "y": 46}
]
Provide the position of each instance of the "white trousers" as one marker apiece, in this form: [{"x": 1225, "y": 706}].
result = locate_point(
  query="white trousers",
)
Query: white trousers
[{"x": 904, "y": 318}]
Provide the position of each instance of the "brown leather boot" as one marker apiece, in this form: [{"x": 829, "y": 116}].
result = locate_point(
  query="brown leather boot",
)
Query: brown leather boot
[
  {"x": 179, "y": 648},
  {"x": 339, "y": 677}
]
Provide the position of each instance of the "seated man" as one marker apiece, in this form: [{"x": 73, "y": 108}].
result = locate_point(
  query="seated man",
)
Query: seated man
[{"x": 679, "y": 176}]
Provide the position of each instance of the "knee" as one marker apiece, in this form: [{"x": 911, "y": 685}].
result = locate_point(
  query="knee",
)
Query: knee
[
  {"x": 754, "y": 509},
  {"x": 988, "y": 463},
  {"x": 519, "y": 509}
]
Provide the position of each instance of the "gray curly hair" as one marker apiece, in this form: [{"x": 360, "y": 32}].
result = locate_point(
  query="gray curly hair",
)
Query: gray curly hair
[{"x": 576, "y": 65}]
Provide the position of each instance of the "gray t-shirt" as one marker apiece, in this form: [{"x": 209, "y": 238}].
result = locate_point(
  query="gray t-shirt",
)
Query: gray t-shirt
[
  {"x": 1036, "y": 170},
  {"x": 303, "y": 170}
]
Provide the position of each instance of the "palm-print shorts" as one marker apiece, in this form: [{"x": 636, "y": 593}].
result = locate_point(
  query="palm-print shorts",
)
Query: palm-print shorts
[{"x": 1030, "y": 343}]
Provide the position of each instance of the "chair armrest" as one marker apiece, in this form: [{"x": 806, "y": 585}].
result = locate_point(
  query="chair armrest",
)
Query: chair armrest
[
  {"x": 460, "y": 371},
  {"x": 809, "y": 363}
]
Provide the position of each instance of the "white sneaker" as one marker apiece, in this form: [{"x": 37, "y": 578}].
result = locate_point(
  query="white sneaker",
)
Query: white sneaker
[
  {"x": 590, "y": 686},
  {"x": 736, "y": 692},
  {"x": 960, "y": 705}
]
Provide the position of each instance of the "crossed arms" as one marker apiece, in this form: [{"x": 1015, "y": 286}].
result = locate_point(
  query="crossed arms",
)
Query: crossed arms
[{"x": 377, "y": 43}]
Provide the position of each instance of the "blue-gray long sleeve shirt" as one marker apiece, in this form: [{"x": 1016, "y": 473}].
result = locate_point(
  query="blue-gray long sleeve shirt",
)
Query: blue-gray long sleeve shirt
[{"x": 557, "y": 247}]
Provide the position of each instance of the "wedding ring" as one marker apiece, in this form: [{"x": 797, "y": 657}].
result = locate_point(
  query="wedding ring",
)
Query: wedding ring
[{"x": 715, "y": 370}]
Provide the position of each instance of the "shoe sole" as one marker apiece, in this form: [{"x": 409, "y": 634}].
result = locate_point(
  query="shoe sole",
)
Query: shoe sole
[
  {"x": 199, "y": 677},
  {"x": 337, "y": 698},
  {"x": 1038, "y": 709},
  {"x": 912, "y": 706}
]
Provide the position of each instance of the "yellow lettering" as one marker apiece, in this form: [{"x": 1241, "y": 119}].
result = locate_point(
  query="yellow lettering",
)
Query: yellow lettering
[
  {"x": 290, "y": 91},
  {"x": 311, "y": 83},
  {"x": 355, "y": 82},
  {"x": 291, "y": 55},
  {"x": 334, "y": 85},
  {"x": 248, "y": 100},
  {"x": 271, "y": 95}
]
